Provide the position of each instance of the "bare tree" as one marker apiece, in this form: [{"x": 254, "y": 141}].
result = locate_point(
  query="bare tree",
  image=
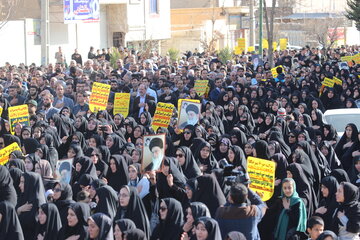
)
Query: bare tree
[
  {"x": 7, "y": 9},
  {"x": 270, "y": 30},
  {"x": 327, "y": 33}
]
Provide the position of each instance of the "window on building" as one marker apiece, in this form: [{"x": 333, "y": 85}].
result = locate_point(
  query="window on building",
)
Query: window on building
[
  {"x": 118, "y": 39},
  {"x": 153, "y": 6}
]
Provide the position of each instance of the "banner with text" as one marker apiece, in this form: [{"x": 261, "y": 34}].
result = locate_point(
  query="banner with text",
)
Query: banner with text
[
  {"x": 80, "y": 11},
  {"x": 274, "y": 71},
  {"x": 6, "y": 151},
  {"x": 162, "y": 115},
  {"x": 122, "y": 104},
  {"x": 201, "y": 86},
  {"x": 18, "y": 114},
  {"x": 262, "y": 176},
  {"x": 99, "y": 96},
  {"x": 328, "y": 82}
]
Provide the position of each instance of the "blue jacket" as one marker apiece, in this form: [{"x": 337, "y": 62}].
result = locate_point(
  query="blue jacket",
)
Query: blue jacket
[
  {"x": 242, "y": 218},
  {"x": 68, "y": 102}
]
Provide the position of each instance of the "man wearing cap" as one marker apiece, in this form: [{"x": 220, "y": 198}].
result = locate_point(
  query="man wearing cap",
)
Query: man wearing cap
[
  {"x": 192, "y": 112},
  {"x": 156, "y": 147},
  {"x": 32, "y": 107}
]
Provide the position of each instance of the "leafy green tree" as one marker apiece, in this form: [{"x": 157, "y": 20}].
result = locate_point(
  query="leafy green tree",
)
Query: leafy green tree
[{"x": 353, "y": 12}]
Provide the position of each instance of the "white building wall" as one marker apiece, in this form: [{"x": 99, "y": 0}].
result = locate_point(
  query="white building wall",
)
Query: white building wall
[
  {"x": 12, "y": 44},
  {"x": 158, "y": 25}
]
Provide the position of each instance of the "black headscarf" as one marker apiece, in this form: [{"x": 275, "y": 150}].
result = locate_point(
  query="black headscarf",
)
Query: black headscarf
[
  {"x": 30, "y": 145},
  {"x": 135, "y": 234},
  {"x": 190, "y": 167},
  {"x": 10, "y": 227},
  {"x": 87, "y": 167},
  {"x": 82, "y": 212},
  {"x": 118, "y": 145},
  {"x": 64, "y": 200},
  {"x": 35, "y": 195},
  {"x": 240, "y": 159},
  {"x": 281, "y": 165},
  {"x": 262, "y": 150},
  {"x": 100, "y": 166},
  {"x": 16, "y": 174},
  {"x": 125, "y": 225},
  {"x": 108, "y": 201},
  {"x": 278, "y": 137},
  {"x": 209, "y": 192},
  {"x": 340, "y": 175},
  {"x": 171, "y": 227},
  {"x": 332, "y": 159},
  {"x": 351, "y": 207},
  {"x": 210, "y": 161},
  {"x": 7, "y": 190},
  {"x": 199, "y": 209},
  {"x": 183, "y": 141},
  {"x": 17, "y": 163},
  {"x": 9, "y": 139},
  {"x": 179, "y": 179},
  {"x": 104, "y": 224},
  {"x": 303, "y": 187},
  {"x": 50, "y": 229},
  {"x": 211, "y": 226},
  {"x": 121, "y": 176},
  {"x": 61, "y": 126},
  {"x": 135, "y": 211},
  {"x": 329, "y": 202}
]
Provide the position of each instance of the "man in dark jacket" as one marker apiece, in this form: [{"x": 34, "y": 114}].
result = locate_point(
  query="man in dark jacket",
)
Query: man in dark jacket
[{"x": 238, "y": 215}]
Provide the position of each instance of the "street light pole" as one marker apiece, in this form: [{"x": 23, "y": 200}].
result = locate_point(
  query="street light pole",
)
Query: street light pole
[
  {"x": 260, "y": 28},
  {"x": 44, "y": 32},
  {"x": 252, "y": 25}
]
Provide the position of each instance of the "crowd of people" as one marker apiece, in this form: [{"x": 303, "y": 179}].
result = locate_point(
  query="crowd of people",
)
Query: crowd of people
[{"x": 247, "y": 111}]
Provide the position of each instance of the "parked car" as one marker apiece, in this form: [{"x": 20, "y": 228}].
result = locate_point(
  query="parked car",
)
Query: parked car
[{"x": 339, "y": 118}]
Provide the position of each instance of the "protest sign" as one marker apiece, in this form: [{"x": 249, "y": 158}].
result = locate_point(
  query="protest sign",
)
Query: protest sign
[
  {"x": 237, "y": 50},
  {"x": 99, "y": 96},
  {"x": 265, "y": 43},
  {"x": 274, "y": 72},
  {"x": 1, "y": 110},
  {"x": 328, "y": 82},
  {"x": 189, "y": 114},
  {"x": 337, "y": 81},
  {"x": 251, "y": 49},
  {"x": 6, "y": 151},
  {"x": 18, "y": 114},
  {"x": 274, "y": 46},
  {"x": 262, "y": 176},
  {"x": 283, "y": 43},
  {"x": 201, "y": 86},
  {"x": 121, "y": 104},
  {"x": 63, "y": 170},
  {"x": 162, "y": 115},
  {"x": 241, "y": 44},
  {"x": 356, "y": 58},
  {"x": 153, "y": 152}
]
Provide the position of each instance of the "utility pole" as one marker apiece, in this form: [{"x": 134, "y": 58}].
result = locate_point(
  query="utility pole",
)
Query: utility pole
[
  {"x": 261, "y": 28},
  {"x": 44, "y": 32},
  {"x": 252, "y": 23}
]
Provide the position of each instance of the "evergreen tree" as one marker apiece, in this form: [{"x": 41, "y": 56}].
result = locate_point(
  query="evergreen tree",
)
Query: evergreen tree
[{"x": 353, "y": 12}]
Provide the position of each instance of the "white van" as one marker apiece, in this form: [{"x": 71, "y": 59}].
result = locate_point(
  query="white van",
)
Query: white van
[{"x": 339, "y": 118}]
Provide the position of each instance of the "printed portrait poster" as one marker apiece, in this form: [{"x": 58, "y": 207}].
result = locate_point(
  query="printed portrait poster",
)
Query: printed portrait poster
[
  {"x": 63, "y": 170},
  {"x": 153, "y": 152},
  {"x": 189, "y": 113}
]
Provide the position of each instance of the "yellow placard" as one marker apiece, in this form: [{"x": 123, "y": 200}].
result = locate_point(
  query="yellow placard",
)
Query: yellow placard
[
  {"x": 99, "y": 97},
  {"x": 18, "y": 114},
  {"x": 348, "y": 59},
  {"x": 274, "y": 72},
  {"x": 356, "y": 58},
  {"x": 262, "y": 177},
  {"x": 200, "y": 86},
  {"x": 283, "y": 43},
  {"x": 251, "y": 49},
  {"x": 274, "y": 46},
  {"x": 6, "y": 151},
  {"x": 241, "y": 44},
  {"x": 162, "y": 115},
  {"x": 1, "y": 110},
  {"x": 265, "y": 43},
  {"x": 237, "y": 51},
  {"x": 328, "y": 82},
  {"x": 121, "y": 104},
  {"x": 337, "y": 81}
]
